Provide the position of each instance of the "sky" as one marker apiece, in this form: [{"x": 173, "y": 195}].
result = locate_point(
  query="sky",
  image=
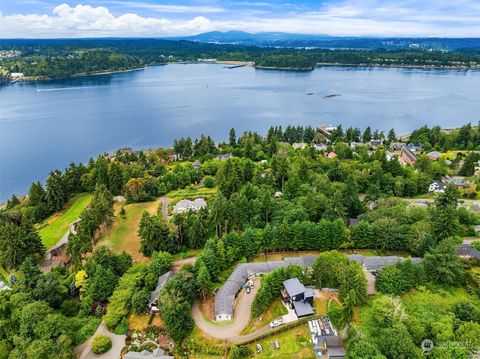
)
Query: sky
[{"x": 164, "y": 18}]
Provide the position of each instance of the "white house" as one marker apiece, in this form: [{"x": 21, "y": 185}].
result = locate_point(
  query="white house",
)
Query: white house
[
  {"x": 186, "y": 205},
  {"x": 299, "y": 146},
  {"x": 436, "y": 187},
  {"x": 320, "y": 147}
]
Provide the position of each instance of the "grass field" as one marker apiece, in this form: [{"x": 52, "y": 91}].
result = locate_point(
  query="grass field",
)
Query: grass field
[
  {"x": 276, "y": 310},
  {"x": 123, "y": 235},
  {"x": 294, "y": 343},
  {"x": 140, "y": 321},
  {"x": 55, "y": 226},
  {"x": 192, "y": 192}
]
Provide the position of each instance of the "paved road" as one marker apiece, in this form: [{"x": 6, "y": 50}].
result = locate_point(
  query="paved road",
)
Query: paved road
[
  {"x": 118, "y": 342},
  {"x": 165, "y": 201},
  {"x": 180, "y": 263},
  {"x": 231, "y": 332}
]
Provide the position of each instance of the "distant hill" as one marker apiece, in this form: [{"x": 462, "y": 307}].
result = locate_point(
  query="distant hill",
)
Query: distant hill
[{"x": 282, "y": 39}]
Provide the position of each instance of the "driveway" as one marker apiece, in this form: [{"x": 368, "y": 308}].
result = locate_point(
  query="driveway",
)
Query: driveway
[
  {"x": 118, "y": 342},
  {"x": 177, "y": 265},
  {"x": 231, "y": 332},
  {"x": 165, "y": 201}
]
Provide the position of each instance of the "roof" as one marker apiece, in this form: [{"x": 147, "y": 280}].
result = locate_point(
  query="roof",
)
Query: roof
[
  {"x": 378, "y": 262},
  {"x": 187, "y": 205},
  {"x": 353, "y": 221},
  {"x": 308, "y": 292},
  {"x": 434, "y": 154},
  {"x": 467, "y": 250},
  {"x": 294, "y": 287},
  {"x": 333, "y": 341},
  {"x": 162, "y": 280},
  {"x": 225, "y": 296},
  {"x": 302, "y": 308},
  {"x": 157, "y": 353},
  {"x": 409, "y": 154},
  {"x": 439, "y": 185}
]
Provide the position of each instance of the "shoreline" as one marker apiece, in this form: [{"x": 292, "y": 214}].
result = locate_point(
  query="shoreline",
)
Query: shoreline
[
  {"x": 248, "y": 64},
  {"x": 78, "y": 75}
]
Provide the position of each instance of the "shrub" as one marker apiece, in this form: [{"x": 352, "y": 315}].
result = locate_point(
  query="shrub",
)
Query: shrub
[
  {"x": 101, "y": 344},
  {"x": 121, "y": 299},
  {"x": 209, "y": 182}
]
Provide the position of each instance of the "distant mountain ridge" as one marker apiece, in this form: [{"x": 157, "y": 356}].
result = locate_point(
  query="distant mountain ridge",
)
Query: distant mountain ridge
[{"x": 282, "y": 39}]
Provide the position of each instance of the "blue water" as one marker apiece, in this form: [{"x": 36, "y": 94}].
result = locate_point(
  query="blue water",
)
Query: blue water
[{"x": 44, "y": 126}]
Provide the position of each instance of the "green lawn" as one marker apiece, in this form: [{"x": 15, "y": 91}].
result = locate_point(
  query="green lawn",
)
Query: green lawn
[
  {"x": 276, "y": 310},
  {"x": 192, "y": 192},
  {"x": 123, "y": 235},
  {"x": 294, "y": 343},
  {"x": 57, "y": 225},
  {"x": 4, "y": 275}
]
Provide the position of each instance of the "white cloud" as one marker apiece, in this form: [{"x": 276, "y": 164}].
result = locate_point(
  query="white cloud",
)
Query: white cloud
[
  {"x": 85, "y": 20},
  {"x": 344, "y": 18},
  {"x": 166, "y": 8}
]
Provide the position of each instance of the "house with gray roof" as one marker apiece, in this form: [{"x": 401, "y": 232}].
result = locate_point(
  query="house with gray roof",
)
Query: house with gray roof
[
  {"x": 157, "y": 354},
  {"x": 186, "y": 205},
  {"x": 376, "y": 263},
  {"x": 297, "y": 297},
  {"x": 162, "y": 280},
  {"x": 468, "y": 251},
  {"x": 224, "y": 300}
]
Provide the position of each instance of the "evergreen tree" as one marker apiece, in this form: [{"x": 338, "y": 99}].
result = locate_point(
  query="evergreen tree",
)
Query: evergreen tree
[
  {"x": 232, "y": 138},
  {"x": 367, "y": 135},
  {"x": 56, "y": 196}
]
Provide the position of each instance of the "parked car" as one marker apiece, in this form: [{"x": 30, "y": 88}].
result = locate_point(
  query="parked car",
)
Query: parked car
[
  {"x": 276, "y": 323},
  {"x": 259, "y": 348},
  {"x": 250, "y": 284},
  {"x": 247, "y": 289},
  {"x": 276, "y": 345}
]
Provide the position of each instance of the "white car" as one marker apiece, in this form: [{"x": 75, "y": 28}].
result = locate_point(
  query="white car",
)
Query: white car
[{"x": 277, "y": 323}]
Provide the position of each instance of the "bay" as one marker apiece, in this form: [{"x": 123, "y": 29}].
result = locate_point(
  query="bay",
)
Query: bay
[{"x": 47, "y": 125}]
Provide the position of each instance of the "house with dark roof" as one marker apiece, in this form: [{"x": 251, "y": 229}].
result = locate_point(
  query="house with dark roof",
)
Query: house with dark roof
[
  {"x": 335, "y": 347},
  {"x": 375, "y": 143},
  {"x": 468, "y": 251},
  {"x": 436, "y": 187},
  {"x": 298, "y": 297},
  {"x": 376, "y": 263},
  {"x": 162, "y": 280}
]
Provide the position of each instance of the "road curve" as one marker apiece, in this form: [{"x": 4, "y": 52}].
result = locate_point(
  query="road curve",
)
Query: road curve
[{"x": 231, "y": 332}]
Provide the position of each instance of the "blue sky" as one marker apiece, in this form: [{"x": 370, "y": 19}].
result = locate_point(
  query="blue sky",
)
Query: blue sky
[{"x": 51, "y": 18}]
